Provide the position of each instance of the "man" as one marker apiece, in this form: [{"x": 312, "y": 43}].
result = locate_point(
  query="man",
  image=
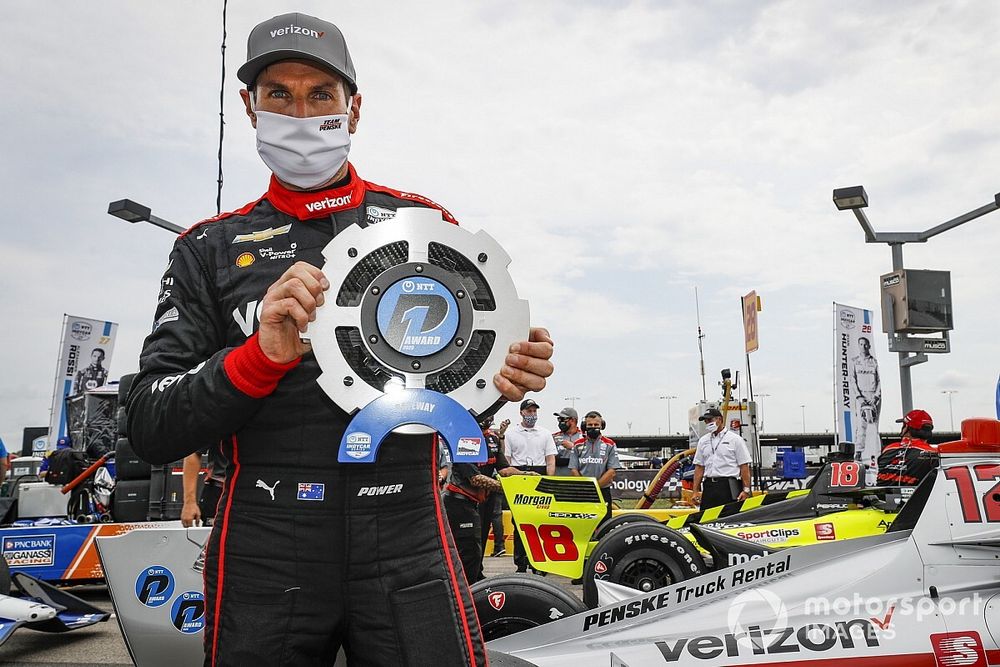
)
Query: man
[
  {"x": 3, "y": 462},
  {"x": 94, "y": 375},
  {"x": 201, "y": 509},
  {"x": 469, "y": 486},
  {"x": 596, "y": 456},
  {"x": 868, "y": 403},
  {"x": 908, "y": 461},
  {"x": 721, "y": 464},
  {"x": 569, "y": 432},
  {"x": 307, "y": 555},
  {"x": 531, "y": 449}
]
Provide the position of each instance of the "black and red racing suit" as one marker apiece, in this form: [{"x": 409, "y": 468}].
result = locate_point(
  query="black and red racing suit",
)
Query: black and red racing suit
[
  {"x": 907, "y": 462},
  {"x": 307, "y": 555}
]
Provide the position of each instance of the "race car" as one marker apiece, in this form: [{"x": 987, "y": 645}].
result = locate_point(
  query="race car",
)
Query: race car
[
  {"x": 556, "y": 516},
  {"x": 923, "y": 593},
  {"x": 43, "y": 607}
]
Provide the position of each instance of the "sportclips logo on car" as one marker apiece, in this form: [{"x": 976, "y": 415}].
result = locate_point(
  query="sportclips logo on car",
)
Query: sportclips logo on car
[
  {"x": 815, "y": 637},
  {"x": 541, "y": 502},
  {"x": 769, "y": 535}
]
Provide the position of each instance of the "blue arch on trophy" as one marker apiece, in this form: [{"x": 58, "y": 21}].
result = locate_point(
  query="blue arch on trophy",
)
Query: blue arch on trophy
[{"x": 374, "y": 422}]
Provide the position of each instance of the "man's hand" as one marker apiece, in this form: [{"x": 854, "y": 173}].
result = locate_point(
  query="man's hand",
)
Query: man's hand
[
  {"x": 503, "y": 426},
  {"x": 526, "y": 366},
  {"x": 743, "y": 496},
  {"x": 696, "y": 497},
  {"x": 289, "y": 306},
  {"x": 190, "y": 514}
]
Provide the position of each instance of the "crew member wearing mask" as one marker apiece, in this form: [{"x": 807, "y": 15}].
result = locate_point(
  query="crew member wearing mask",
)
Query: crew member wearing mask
[
  {"x": 308, "y": 555},
  {"x": 595, "y": 456},
  {"x": 531, "y": 449},
  {"x": 908, "y": 461},
  {"x": 569, "y": 432},
  {"x": 721, "y": 464}
]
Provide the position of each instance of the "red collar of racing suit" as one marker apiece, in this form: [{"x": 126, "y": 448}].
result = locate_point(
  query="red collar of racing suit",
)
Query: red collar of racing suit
[
  {"x": 915, "y": 443},
  {"x": 317, "y": 203}
]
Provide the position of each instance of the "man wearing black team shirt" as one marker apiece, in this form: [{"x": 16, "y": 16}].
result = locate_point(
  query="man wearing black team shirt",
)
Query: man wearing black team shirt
[
  {"x": 470, "y": 487},
  {"x": 908, "y": 461}
]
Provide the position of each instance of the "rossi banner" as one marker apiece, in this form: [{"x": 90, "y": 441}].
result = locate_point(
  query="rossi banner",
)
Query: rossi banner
[{"x": 84, "y": 357}]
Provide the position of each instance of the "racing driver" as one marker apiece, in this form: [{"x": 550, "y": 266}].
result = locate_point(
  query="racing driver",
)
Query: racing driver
[
  {"x": 908, "y": 461},
  {"x": 307, "y": 555}
]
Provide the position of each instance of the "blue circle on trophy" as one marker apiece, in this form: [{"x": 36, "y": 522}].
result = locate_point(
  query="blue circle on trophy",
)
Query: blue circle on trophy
[{"x": 418, "y": 316}]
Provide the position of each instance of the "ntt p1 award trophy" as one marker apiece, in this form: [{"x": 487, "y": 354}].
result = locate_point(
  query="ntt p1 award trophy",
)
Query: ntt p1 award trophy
[{"x": 419, "y": 316}]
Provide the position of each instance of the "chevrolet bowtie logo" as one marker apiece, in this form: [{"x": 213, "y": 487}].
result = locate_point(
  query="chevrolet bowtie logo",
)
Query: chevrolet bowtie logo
[{"x": 262, "y": 235}]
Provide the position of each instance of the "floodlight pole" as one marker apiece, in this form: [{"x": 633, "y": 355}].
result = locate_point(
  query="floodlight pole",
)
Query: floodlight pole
[{"x": 856, "y": 199}]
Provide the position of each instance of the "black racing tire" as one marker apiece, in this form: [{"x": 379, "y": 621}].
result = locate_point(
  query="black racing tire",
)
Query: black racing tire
[
  {"x": 618, "y": 522},
  {"x": 525, "y": 601},
  {"x": 644, "y": 556},
  {"x": 4, "y": 576}
]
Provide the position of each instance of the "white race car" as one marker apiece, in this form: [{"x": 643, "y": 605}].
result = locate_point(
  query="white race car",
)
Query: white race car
[{"x": 924, "y": 593}]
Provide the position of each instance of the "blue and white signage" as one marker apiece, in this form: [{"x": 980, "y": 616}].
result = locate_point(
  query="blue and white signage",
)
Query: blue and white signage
[{"x": 418, "y": 316}]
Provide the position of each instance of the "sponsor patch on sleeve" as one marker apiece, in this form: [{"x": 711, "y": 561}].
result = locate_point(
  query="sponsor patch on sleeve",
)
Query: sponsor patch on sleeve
[{"x": 310, "y": 491}]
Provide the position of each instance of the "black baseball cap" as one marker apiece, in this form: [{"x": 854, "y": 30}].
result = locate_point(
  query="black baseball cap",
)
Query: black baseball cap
[
  {"x": 711, "y": 413},
  {"x": 568, "y": 413},
  {"x": 528, "y": 403},
  {"x": 297, "y": 36}
]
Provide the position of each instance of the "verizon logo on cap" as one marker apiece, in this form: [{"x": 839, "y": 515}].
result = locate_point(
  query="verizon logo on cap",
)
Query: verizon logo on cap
[{"x": 296, "y": 30}]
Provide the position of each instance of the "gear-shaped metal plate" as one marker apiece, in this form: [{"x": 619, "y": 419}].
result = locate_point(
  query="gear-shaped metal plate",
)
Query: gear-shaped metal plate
[{"x": 417, "y": 299}]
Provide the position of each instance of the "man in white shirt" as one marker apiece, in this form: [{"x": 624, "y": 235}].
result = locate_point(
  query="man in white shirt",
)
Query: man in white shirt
[
  {"x": 530, "y": 449},
  {"x": 721, "y": 464}
]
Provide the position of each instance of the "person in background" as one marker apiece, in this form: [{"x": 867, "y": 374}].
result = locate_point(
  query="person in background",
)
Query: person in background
[
  {"x": 908, "y": 461},
  {"x": 490, "y": 508},
  {"x": 721, "y": 464},
  {"x": 3, "y": 462},
  {"x": 569, "y": 432},
  {"x": 531, "y": 449},
  {"x": 596, "y": 456},
  {"x": 201, "y": 509}
]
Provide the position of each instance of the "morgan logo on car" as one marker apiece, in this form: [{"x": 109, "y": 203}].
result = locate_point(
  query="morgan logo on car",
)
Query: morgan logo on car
[
  {"x": 497, "y": 599},
  {"x": 816, "y": 637},
  {"x": 541, "y": 502},
  {"x": 825, "y": 531},
  {"x": 768, "y": 535},
  {"x": 29, "y": 550},
  {"x": 958, "y": 649}
]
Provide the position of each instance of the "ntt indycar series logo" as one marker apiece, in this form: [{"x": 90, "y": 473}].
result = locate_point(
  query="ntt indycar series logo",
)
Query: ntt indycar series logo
[
  {"x": 418, "y": 316},
  {"x": 359, "y": 444}
]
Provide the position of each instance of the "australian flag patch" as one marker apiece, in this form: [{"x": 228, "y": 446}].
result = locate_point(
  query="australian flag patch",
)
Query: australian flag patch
[{"x": 310, "y": 491}]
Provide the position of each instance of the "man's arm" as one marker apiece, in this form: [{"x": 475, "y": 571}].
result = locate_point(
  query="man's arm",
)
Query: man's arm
[
  {"x": 699, "y": 471},
  {"x": 550, "y": 464},
  {"x": 191, "y": 513},
  {"x": 745, "y": 477},
  {"x": 185, "y": 365},
  {"x": 606, "y": 478}
]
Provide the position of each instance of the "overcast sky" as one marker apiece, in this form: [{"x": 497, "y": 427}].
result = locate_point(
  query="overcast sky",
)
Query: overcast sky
[{"x": 622, "y": 152}]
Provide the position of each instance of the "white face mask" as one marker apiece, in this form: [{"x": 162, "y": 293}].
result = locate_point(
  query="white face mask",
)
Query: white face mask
[
  {"x": 304, "y": 152},
  {"x": 711, "y": 427}
]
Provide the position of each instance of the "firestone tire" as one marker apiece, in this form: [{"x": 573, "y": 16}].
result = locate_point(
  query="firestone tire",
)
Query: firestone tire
[
  {"x": 643, "y": 556},
  {"x": 618, "y": 522},
  {"x": 513, "y": 602}
]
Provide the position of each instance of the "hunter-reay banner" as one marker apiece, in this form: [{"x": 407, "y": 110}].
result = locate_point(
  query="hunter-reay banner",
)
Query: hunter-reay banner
[
  {"x": 84, "y": 358},
  {"x": 858, "y": 387}
]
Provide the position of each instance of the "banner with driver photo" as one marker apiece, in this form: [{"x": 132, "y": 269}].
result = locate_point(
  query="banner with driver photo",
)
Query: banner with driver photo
[
  {"x": 857, "y": 385},
  {"x": 84, "y": 358}
]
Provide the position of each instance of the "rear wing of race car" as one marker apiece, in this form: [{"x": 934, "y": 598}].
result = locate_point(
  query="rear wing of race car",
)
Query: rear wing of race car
[{"x": 556, "y": 517}]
